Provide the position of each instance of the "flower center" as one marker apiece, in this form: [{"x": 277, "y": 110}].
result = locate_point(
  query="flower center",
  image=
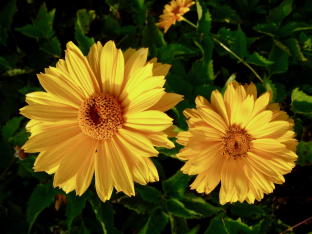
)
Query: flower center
[
  {"x": 100, "y": 116},
  {"x": 236, "y": 142}
]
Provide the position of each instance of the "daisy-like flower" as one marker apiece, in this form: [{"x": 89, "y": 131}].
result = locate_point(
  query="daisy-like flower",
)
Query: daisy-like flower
[
  {"x": 174, "y": 12},
  {"x": 241, "y": 140},
  {"x": 102, "y": 114}
]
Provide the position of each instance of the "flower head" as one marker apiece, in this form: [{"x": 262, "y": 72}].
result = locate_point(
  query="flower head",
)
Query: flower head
[
  {"x": 174, "y": 12},
  {"x": 101, "y": 114},
  {"x": 240, "y": 140}
]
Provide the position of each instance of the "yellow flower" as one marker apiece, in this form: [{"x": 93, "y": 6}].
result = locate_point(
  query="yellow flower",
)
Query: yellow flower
[
  {"x": 174, "y": 12},
  {"x": 241, "y": 140},
  {"x": 101, "y": 114}
]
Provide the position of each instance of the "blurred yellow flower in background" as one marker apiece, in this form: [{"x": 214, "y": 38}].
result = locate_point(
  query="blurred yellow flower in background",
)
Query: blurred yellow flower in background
[
  {"x": 174, "y": 12},
  {"x": 102, "y": 114},
  {"x": 240, "y": 140}
]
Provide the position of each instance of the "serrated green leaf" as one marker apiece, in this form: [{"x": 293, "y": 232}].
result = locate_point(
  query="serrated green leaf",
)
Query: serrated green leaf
[
  {"x": 42, "y": 25},
  {"x": 205, "y": 91},
  {"x": 304, "y": 152},
  {"x": 277, "y": 14},
  {"x": 257, "y": 59},
  {"x": 84, "y": 42},
  {"x": 177, "y": 208},
  {"x": 139, "y": 11},
  {"x": 27, "y": 164},
  {"x": 11, "y": 127},
  {"x": 6, "y": 17},
  {"x": 269, "y": 86},
  {"x": 84, "y": 19},
  {"x": 178, "y": 85},
  {"x": 157, "y": 221},
  {"x": 167, "y": 53},
  {"x": 301, "y": 103},
  {"x": 204, "y": 18},
  {"x": 137, "y": 204},
  {"x": 280, "y": 59},
  {"x": 175, "y": 186},
  {"x": 216, "y": 225},
  {"x": 270, "y": 29},
  {"x": 126, "y": 30},
  {"x": 291, "y": 27},
  {"x": 239, "y": 47},
  {"x": 104, "y": 213},
  {"x": 52, "y": 47},
  {"x": 206, "y": 46},
  {"x": 280, "y": 92},
  {"x": 294, "y": 49},
  {"x": 193, "y": 202},
  {"x": 75, "y": 204},
  {"x": 159, "y": 168},
  {"x": 148, "y": 193},
  {"x": 201, "y": 74},
  {"x": 245, "y": 209},
  {"x": 41, "y": 198}
]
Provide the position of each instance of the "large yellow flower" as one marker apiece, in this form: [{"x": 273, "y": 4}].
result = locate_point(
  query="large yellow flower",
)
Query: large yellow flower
[
  {"x": 243, "y": 141},
  {"x": 174, "y": 12},
  {"x": 101, "y": 113}
]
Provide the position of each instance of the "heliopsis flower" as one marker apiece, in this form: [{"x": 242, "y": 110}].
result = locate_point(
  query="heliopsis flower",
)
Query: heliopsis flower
[
  {"x": 174, "y": 12},
  {"x": 240, "y": 140},
  {"x": 102, "y": 114}
]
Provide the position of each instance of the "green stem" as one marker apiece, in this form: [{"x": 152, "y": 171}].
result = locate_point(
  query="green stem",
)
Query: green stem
[
  {"x": 230, "y": 51},
  {"x": 189, "y": 22},
  {"x": 121, "y": 40}
]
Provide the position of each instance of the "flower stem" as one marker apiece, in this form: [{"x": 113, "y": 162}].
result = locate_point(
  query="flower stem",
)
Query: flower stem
[
  {"x": 122, "y": 39},
  {"x": 240, "y": 59},
  {"x": 230, "y": 51},
  {"x": 189, "y": 22}
]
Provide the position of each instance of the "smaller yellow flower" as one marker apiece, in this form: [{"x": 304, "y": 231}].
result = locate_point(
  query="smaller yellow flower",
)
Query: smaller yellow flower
[{"x": 173, "y": 12}]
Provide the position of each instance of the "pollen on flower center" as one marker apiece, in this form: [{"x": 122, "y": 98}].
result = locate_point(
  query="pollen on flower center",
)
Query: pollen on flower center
[
  {"x": 236, "y": 143},
  {"x": 100, "y": 116}
]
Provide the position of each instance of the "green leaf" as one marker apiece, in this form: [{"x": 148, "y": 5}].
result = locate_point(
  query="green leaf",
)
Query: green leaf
[
  {"x": 167, "y": 53},
  {"x": 139, "y": 11},
  {"x": 201, "y": 74},
  {"x": 270, "y": 29},
  {"x": 17, "y": 71},
  {"x": 180, "y": 118},
  {"x": 177, "y": 208},
  {"x": 206, "y": 47},
  {"x": 304, "y": 152},
  {"x": 137, "y": 204},
  {"x": 205, "y": 91},
  {"x": 26, "y": 168},
  {"x": 257, "y": 59},
  {"x": 126, "y": 30},
  {"x": 178, "y": 85},
  {"x": 5, "y": 63},
  {"x": 170, "y": 152},
  {"x": 238, "y": 227},
  {"x": 301, "y": 103},
  {"x": 11, "y": 127},
  {"x": 157, "y": 221},
  {"x": 41, "y": 198},
  {"x": 291, "y": 27},
  {"x": 204, "y": 18},
  {"x": 84, "y": 42},
  {"x": 269, "y": 86},
  {"x": 84, "y": 19},
  {"x": 280, "y": 93},
  {"x": 176, "y": 185},
  {"x": 225, "y": 13},
  {"x": 148, "y": 193},
  {"x": 280, "y": 59},
  {"x": 6, "y": 17},
  {"x": 294, "y": 49},
  {"x": 193, "y": 202},
  {"x": 239, "y": 47},
  {"x": 104, "y": 213},
  {"x": 42, "y": 25},
  {"x": 216, "y": 225},
  {"x": 279, "y": 13},
  {"x": 52, "y": 47},
  {"x": 245, "y": 209},
  {"x": 75, "y": 204}
]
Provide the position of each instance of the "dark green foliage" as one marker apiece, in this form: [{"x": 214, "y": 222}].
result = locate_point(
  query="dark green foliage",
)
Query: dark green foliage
[{"x": 273, "y": 40}]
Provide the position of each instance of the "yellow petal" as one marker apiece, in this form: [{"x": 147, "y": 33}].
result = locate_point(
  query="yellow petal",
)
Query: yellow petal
[
  {"x": 93, "y": 58},
  {"x": 252, "y": 90},
  {"x": 273, "y": 130},
  {"x": 45, "y": 140},
  {"x": 259, "y": 121},
  {"x": 61, "y": 90},
  {"x": 44, "y": 98},
  {"x": 213, "y": 119},
  {"x": 50, "y": 113},
  {"x": 103, "y": 174},
  {"x": 168, "y": 101},
  {"x": 241, "y": 181},
  {"x": 135, "y": 62},
  {"x": 117, "y": 78},
  {"x": 218, "y": 104},
  {"x": 261, "y": 104},
  {"x": 148, "y": 121},
  {"x": 160, "y": 139},
  {"x": 267, "y": 144},
  {"x": 243, "y": 112},
  {"x": 68, "y": 186},
  {"x": 75, "y": 159},
  {"x": 207, "y": 133}
]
